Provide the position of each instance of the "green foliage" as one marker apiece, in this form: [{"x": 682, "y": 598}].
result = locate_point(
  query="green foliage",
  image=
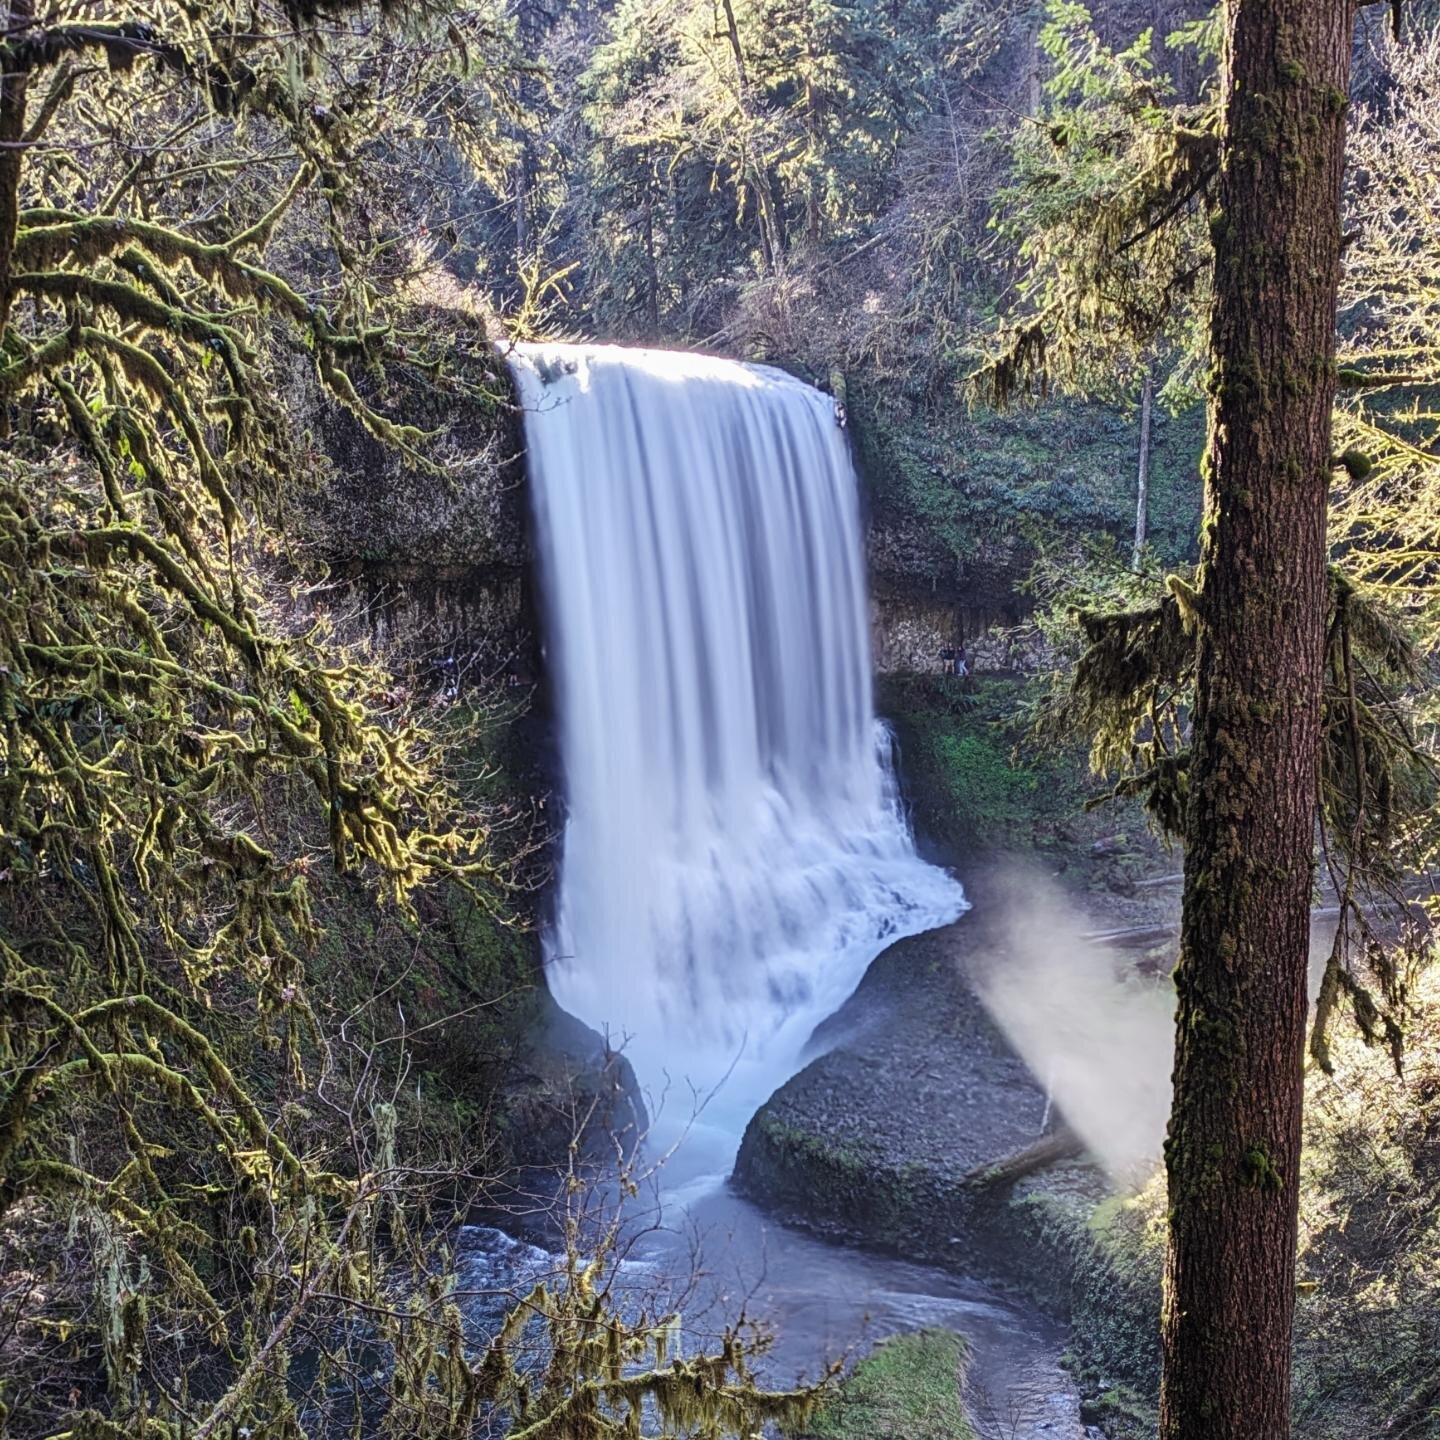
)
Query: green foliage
[
  {"x": 988, "y": 792},
  {"x": 227, "y": 1108},
  {"x": 1384, "y": 499},
  {"x": 574, "y": 1360},
  {"x": 1369, "y": 1306},
  {"x": 850, "y": 72},
  {"x": 1106, "y": 211},
  {"x": 909, "y": 1389},
  {"x": 976, "y": 31},
  {"x": 1105, "y": 214},
  {"x": 182, "y": 745},
  {"x": 1002, "y": 490},
  {"x": 719, "y": 142},
  {"x": 1130, "y": 691}
]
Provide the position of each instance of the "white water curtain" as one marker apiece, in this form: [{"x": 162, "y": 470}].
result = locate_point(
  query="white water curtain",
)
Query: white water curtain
[{"x": 734, "y": 852}]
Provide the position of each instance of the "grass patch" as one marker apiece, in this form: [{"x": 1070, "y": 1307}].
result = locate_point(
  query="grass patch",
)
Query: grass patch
[{"x": 909, "y": 1389}]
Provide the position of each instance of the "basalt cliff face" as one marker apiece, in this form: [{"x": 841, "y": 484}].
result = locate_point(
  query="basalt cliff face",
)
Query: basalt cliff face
[
  {"x": 961, "y": 503},
  {"x": 440, "y": 559},
  {"x": 924, "y": 599},
  {"x": 434, "y": 557}
]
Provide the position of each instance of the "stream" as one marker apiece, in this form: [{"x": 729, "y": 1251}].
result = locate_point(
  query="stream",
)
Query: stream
[{"x": 695, "y": 1239}]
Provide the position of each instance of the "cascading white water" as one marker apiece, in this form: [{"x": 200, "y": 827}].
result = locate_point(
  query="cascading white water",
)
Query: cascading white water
[{"x": 734, "y": 851}]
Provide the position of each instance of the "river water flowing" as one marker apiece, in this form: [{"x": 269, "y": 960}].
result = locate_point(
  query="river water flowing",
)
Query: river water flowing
[{"x": 824, "y": 1302}]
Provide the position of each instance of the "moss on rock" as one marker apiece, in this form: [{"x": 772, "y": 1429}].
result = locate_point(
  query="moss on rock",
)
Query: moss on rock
[
  {"x": 876, "y": 1140},
  {"x": 957, "y": 500},
  {"x": 910, "y": 1388},
  {"x": 1098, "y": 1265},
  {"x": 978, "y": 785}
]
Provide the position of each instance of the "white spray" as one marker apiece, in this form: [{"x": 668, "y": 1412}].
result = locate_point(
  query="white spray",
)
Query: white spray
[{"x": 1098, "y": 1037}]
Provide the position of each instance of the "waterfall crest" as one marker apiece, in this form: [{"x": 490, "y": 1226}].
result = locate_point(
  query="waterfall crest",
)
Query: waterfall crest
[{"x": 734, "y": 851}]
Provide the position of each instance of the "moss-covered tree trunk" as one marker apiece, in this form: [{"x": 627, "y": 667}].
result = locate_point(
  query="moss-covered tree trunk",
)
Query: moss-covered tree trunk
[
  {"x": 1234, "y": 1143},
  {"x": 14, "y": 84}
]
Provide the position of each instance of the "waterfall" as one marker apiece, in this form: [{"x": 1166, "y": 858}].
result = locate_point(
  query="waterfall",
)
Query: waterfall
[{"x": 734, "y": 851}]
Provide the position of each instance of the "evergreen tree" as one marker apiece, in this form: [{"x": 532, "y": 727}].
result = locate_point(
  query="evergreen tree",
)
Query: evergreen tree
[
  {"x": 1264, "y": 636},
  {"x": 721, "y": 139},
  {"x": 1233, "y": 1150},
  {"x": 848, "y": 74}
]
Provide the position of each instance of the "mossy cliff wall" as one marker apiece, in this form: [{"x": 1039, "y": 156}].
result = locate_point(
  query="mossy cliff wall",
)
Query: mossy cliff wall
[
  {"x": 959, "y": 503},
  {"x": 956, "y": 504},
  {"x": 435, "y": 559},
  {"x": 432, "y": 566}
]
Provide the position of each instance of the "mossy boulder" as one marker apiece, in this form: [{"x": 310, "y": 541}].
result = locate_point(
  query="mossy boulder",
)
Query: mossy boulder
[{"x": 877, "y": 1140}]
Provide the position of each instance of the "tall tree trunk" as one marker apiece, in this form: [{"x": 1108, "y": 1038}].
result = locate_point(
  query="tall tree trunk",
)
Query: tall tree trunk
[
  {"x": 1234, "y": 1145},
  {"x": 1142, "y": 477},
  {"x": 523, "y": 184},
  {"x": 732, "y": 30},
  {"x": 652, "y": 270},
  {"x": 531, "y": 24},
  {"x": 14, "y": 87},
  {"x": 766, "y": 208}
]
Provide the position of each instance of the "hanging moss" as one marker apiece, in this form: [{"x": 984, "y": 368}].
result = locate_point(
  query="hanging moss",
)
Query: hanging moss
[{"x": 183, "y": 739}]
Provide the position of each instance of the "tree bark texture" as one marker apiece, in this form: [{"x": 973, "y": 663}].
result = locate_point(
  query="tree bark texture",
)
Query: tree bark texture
[{"x": 1234, "y": 1144}]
